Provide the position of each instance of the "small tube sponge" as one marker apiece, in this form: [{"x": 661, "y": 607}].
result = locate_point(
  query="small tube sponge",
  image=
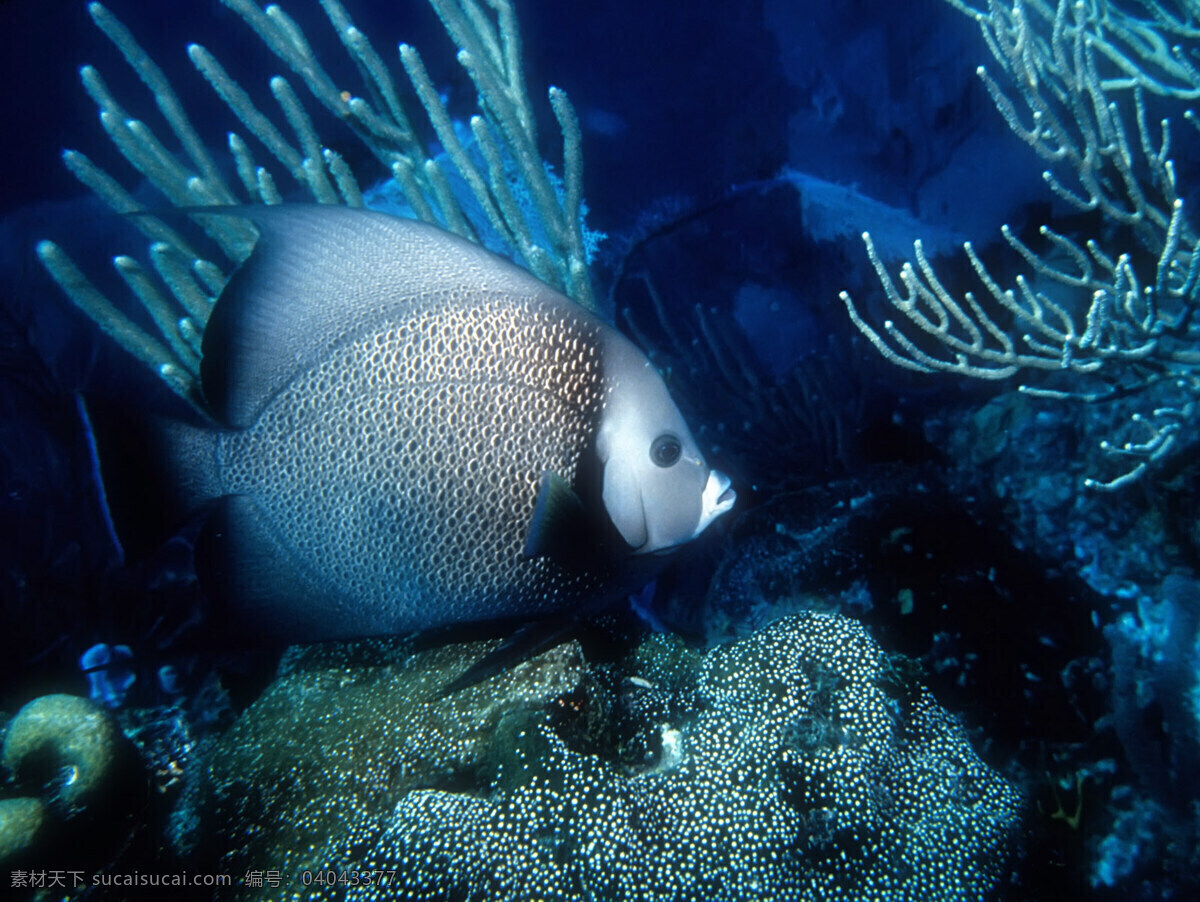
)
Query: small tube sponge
[{"x": 110, "y": 673}]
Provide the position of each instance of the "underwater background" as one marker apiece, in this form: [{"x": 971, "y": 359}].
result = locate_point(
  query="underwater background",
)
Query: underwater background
[{"x": 921, "y": 658}]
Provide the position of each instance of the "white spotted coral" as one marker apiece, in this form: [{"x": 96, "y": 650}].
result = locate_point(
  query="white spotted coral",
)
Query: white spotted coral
[{"x": 808, "y": 770}]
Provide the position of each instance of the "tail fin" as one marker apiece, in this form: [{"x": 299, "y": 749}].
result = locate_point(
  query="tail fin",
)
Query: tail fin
[{"x": 154, "y": 472}]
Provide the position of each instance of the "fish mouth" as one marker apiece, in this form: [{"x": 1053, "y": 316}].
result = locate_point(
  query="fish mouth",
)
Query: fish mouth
[{"x": 718, "y": 497}]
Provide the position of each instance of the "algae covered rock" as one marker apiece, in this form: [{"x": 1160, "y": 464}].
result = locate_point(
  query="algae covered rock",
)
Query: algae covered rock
[
  {"x": 63, "y": 747},
  {"x": 310, "y": 770},
  {"x": 75, "y": 778},
  {"x": 805, "y": 771},
  {"x": 22, "y": 821},
  {"x": 798, "y": 764}
]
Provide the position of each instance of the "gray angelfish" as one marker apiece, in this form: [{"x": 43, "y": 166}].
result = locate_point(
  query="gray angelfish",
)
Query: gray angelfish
[{"x": 417, "y": 432}]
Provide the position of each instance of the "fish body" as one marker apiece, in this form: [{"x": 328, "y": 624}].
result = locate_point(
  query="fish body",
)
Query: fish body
[{"x": 415, "y": 432}]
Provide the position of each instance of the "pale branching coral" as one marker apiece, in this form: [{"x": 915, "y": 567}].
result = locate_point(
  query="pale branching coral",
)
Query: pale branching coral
[
  {"x": 512, "y": 195},
  {"x": 1114, "y": 311}
]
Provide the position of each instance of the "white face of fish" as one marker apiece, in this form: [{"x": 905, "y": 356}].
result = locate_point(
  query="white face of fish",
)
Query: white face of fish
[{"x": 658, "y": 490}]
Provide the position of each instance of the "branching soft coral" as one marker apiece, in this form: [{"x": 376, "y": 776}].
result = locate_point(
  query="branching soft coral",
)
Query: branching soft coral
[{"x": 1112, "y": 314}]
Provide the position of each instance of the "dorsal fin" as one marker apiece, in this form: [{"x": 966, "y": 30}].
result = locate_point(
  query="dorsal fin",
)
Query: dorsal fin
[{"x": 318, "y": 275}]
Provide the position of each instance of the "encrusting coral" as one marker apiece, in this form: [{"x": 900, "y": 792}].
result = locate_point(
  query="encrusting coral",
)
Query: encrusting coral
[
  {"x": 69, "y": 758},
  {"x": 334, "y": 742},
  {"x": 805, "y": 774},
  {"x": 795, "y": 764}
]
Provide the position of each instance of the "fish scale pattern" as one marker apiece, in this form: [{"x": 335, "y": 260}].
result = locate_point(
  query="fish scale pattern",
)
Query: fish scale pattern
[
  {"x": 429, "y": 433},
  {"x": 807, "y": 774}
]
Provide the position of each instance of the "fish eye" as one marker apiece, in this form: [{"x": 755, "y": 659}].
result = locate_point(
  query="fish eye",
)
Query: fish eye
[{"x": 665, "y": 450}]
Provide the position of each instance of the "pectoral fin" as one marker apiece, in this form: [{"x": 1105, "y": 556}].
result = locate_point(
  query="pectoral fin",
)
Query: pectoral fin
[{"x": 557, "y": 521}]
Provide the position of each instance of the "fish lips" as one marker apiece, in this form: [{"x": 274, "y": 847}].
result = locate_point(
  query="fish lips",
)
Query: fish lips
[{"x": 718, "y": 497}]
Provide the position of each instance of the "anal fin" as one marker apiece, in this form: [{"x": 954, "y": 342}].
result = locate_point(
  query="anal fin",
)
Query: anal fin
[
  {"x": 528, "y": 641},
  {"x": 255, "y": 581}
]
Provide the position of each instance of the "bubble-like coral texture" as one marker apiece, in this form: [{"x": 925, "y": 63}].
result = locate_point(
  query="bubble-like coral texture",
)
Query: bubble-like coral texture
[
  {"x": 302, "y": 780},
  {"x": 808, "y": 767}
]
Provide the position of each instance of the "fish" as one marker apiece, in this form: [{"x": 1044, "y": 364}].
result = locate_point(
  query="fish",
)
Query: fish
[{"x": 409, "y": 431}]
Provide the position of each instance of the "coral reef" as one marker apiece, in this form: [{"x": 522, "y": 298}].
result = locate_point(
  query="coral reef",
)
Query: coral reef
[
  {"x": 1130, "y": 558},
  {"x": 1107, "y": 312},
  {"x": 804, "y": 769},
  {"x": 340, "y": 736}
]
